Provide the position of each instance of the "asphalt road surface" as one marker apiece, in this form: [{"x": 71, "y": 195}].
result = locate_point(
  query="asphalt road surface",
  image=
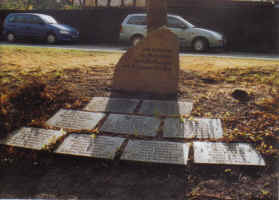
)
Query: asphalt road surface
[{"x": 122, "y": 48}]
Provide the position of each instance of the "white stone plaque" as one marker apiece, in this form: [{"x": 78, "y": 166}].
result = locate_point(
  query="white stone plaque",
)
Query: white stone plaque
[
  {"x": 128, "y": 3},
  {"x": 140, "y": 3},
  {"x": 156, "y": 152},
  {"x": 196, "y": 128},
  {"x": 32, "y": 138},
  {"x": 165, "y": 108},
  {"x": 102, "y": 3},
  {"x": 223, "y": 153},
  {"x": 116, "y": 105},
  {"x": 115, "y": 3},
  {"x": 131, "y": 124},
  {"x": 77, "y": 120},
  {"x": 85, "y": 145}
]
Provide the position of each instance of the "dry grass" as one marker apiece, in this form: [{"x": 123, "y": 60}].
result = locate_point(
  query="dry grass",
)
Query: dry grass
[
  {"x": 36, "y": 82},
  {"x": 32, "y": 58}
]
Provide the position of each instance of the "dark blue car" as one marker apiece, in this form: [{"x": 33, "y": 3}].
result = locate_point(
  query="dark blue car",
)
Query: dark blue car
[{"x": 37, "y": 26}]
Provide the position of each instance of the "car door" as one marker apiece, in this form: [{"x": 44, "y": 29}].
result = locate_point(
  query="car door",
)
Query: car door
[
  {"x": 19, "y": 26},
  {"x": 136, "y": 25},
  {"x": 36, "y": 27},
  {"x": 179, "y": 29}
]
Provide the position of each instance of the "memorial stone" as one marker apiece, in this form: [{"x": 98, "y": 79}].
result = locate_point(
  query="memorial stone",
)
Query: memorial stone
[
  {"x": 165, "y": 108},
  {"x": 151, "y": 66},
  {"x": 131, "y": 124},
  {"x": 226, "y": 153},
  {"x": 116, "y": 105},
  {"x": 77, "y": 120},
  {"x": 32, "y": 138},
  {"x": 85, "y": 145},
  {"x": 156, "y": 152},
  {"x": 197, "y": 128}
]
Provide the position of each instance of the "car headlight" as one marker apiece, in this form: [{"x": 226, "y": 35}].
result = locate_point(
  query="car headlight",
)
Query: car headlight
[{"x": 64, "y": 32}]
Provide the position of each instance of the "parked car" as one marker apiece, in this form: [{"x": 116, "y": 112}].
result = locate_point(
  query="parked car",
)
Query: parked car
[
  {"x": 37, "y": 26},
  {"x": 134, "y": 28}
]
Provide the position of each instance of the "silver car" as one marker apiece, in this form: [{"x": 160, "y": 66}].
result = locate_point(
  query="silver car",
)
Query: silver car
[{"x": 134, "y": 28}]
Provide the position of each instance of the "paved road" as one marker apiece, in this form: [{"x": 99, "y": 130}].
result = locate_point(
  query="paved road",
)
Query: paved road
[{"x": 122, "y": 48}]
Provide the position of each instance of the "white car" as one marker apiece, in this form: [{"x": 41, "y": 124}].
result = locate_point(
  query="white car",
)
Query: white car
[{"x": 134, "y": 28}]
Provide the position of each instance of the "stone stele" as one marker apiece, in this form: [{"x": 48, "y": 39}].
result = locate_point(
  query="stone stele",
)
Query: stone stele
[{"x": 151, "y": 66}]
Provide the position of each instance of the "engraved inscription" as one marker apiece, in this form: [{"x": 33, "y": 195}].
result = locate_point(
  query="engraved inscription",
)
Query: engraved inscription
[
  {"x": 77, "y": 120},
  {"x": 117, "y": 105},
  {"x": 165, "y": 108},
  {"x": 223, "y": 153},
  {"x": 197, "y": 128},
  {"x": 85, "y": 145},
  {"x": 153, "y": 59},
  {"x": 31, "y": 138},
  {"x": 156, "y": 151},
  {"x": 131, "y": 124}
]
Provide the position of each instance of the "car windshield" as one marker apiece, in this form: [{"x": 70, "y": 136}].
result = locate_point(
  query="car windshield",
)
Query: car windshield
[{"x": 48, "y": 19}]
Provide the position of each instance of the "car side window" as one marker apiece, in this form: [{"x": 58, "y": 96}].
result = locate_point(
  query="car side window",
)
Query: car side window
[
  {"x": 175, "y": 23},
  {"x": 138, "y": 20},
  {"x": 35, "y": 20},
  {"x": 11, "y": 19},
  {"x": 19, "y": 19}
]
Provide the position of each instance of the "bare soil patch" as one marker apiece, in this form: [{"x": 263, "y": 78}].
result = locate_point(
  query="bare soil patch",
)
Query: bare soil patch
[{"x": 35, "y": 83}]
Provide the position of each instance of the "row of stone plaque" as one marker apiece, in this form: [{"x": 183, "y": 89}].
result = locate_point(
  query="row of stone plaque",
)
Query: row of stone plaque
[
  {"x": 138, "y": 125},
  {"x": 136, "y": 150},
  {"x": 147, "y": 107}
]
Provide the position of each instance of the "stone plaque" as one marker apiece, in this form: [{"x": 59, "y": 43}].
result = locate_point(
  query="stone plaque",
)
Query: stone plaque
[
  {"x": 151, "y": 66},
  {"x": 32, "y": 138},
  {"x": 156, "y": 14},
  {"x": 157, "y": 152},
  {"x": 223, "y": 153},
  {"x": 197, "y": 128},
  {"x": 116, "y": 105},
  {"x": 77, "y": 120},
  {"x": 140, "y": 3},
  {"x": 165, "y": 108},
  {"x": 102, "y": 3},
  {"x": 131, "y": 124},
  {"x": 128, "y": 3},
  {"x": 85, "y": 145},
  {"x": 115, "y": 3}
]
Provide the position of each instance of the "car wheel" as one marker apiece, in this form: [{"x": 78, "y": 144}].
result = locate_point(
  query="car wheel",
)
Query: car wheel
[
  {"x": 51, "y": 38},
  {"x": 10, "y": 37},
  {"x": 200, "y": 45},
  {"x": 136, "y": 40}
]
